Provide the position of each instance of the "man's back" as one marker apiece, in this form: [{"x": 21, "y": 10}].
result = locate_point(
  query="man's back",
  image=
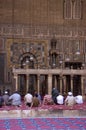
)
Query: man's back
[
  {"x": 70, "y": 100},
  {"x": 60, "y": 99},
  {"x": 35, "y": 102},
  {"x": 16, "y": 99},
  {"x": 79, "y": 99},
  {"x": 28, "y": 98},
  {"x": 6, "y": 98}
]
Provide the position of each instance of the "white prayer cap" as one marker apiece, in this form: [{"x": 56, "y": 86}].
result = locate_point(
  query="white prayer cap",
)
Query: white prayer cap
[
  {"x": 6, "y": 92},
  {"x": 70, "y": 93}
]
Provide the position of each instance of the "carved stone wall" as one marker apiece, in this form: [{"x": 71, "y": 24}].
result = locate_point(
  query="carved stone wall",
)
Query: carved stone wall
[
  {"x": 34, "y": 23},
  {"x": 18, "y": 40},
  {"x": 43, "y": 31},
  {"x": 17, "y": 48}
]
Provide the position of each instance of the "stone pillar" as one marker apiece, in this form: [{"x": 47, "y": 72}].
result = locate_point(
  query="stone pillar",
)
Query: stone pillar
[
  {"x": 49, "y": 84},
  {"x": 71, "y": 83},
  {"x": 84, "y": 88},
  {"x": 82, "y": 85},
  {"x": 16, "y": 81},
  {"x": 64, "y": 81},
  {"x": 38, "y": 83},
  {"x": 55, "y": 81},
  {"x": 27, "y": 82},
  {"x": 61, "y": 84}
]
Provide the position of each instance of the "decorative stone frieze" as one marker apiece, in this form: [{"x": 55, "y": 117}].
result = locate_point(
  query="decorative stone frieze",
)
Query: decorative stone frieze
[{"x": 42, "y": 31}]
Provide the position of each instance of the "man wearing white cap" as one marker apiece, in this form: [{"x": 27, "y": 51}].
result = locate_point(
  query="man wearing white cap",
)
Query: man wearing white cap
[
  {"x": 6, "y": 98},
  {"x": 70, "y": 100}
]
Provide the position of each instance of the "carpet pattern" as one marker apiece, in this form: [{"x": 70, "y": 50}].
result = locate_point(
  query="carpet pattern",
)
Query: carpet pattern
[
  {"x": 43, "y": 124},
  {"x": 49, "y": 107}
]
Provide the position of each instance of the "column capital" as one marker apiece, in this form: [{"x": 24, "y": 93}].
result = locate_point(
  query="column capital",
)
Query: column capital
[
  {"x": 38, "y": 76},
  {"x": 49, "y": 75},
  {"x": 61, "y": 76},
  {"x": 15, "y": 75},
  {"x": 72, "y": 76},
  {"x": 27, "y": 75}
]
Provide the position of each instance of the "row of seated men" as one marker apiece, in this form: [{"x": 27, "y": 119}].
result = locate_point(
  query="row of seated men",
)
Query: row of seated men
[
  {"x": 36, "y": 100},
  {"x": 15, "y": 99},
  {"x": 59, "y": 99}
]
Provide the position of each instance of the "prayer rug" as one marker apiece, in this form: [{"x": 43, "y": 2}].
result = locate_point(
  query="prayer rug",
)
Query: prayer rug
[{"x": 43, "y": 124}]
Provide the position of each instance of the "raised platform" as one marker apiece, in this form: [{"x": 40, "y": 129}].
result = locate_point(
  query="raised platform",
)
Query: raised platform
[{"x": 43, "y": 111}]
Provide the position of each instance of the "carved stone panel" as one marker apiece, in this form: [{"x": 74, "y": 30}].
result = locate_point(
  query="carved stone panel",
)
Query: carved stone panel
[{"x": 17, "y": 48}]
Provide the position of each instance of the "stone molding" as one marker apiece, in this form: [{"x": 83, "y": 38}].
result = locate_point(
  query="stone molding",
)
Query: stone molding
[{"x": 43, "y": 31}]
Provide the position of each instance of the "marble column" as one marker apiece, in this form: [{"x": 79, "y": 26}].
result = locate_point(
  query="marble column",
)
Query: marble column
[
  {"x": 82, "y": 85},
  {"x": 64, "y": 82},
  {"x": 27, "y": 83},
  {"x": 61, "y": 84},
  {"x": 16, "y": 81},
  {"x": 38, "y": 83},
  {"x": 71, "y": 83},
  {"x": 49, "y": 84},
  {"x": 55, "y": 81}
]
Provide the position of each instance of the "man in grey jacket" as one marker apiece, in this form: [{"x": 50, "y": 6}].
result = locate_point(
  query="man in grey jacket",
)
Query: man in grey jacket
[{"x": 16, "y": 99}]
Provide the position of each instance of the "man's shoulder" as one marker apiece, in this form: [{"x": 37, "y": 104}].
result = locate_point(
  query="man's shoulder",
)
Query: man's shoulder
[{"x": 28, "y": 94}]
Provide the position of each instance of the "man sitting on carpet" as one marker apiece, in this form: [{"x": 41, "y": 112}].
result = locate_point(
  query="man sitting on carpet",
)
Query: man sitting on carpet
[
  {"x": 28, "y": 99},
  {"x": 6, "y": 98},
  {"x": 79, "y": 99},
  {"x": 60, "y": 99},
  {"x": 38, "y": 96},
  {"x": 70, "y": 100},
  {"x": 35, "y": 101},
  {"x": 16, "y": 99},
  {"x": 47, "y": 100}
]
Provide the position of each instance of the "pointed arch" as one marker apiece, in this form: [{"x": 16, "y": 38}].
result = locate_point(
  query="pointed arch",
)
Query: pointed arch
[
  {"x": 77, "y": 9},
  {"x": 73, "y": 9},
  {"x": 67, "y": 9},
  {"x": 28, "y": 60}
]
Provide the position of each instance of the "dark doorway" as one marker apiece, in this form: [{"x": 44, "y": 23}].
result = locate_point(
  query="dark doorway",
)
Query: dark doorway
[
  {"x": 43, "y": 85},
  {"x": 68, "y": 83},
  {"x": 76, "y": 78},
  {"x": 32, "y": 86},
  {"x": 76, "y": 84},
  {"x": 74, "y": 65},
  {"x": 22, "y": 84},
  {"x": 56, "y": 82}
]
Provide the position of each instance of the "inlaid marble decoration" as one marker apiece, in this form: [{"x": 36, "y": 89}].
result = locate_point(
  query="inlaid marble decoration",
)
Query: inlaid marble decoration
[{"x": 16, "y": 49}]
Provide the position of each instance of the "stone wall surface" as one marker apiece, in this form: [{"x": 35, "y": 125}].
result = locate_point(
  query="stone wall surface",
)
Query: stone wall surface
[
  {"x": 36, "y": 22},
  {"x": 42, "y": 113},
  {"x": 36, "y": 12}
]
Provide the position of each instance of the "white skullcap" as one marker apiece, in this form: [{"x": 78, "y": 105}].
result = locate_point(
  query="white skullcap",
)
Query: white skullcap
[
  {"x": 6, "y": 92},
  {"x": 70, "y": 93}
]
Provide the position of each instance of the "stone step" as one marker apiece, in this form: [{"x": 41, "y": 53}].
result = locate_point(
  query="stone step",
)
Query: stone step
[{"x": 41, "y": 113}]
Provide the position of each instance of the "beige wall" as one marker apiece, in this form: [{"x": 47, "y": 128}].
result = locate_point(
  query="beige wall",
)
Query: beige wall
[{"x": 36, "y": 12}]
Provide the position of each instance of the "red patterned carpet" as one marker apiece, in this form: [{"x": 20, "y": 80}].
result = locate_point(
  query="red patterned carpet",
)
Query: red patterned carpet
[
  {"x": 49, "y": 107},
  {"x": 43, "y": 124}
]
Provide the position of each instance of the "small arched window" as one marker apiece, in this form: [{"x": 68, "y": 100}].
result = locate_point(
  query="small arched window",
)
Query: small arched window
[
  {"x": 77, "y": 9},
  {"x": 67, "y": 9},
  {"x": 73, "y": 9}
]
